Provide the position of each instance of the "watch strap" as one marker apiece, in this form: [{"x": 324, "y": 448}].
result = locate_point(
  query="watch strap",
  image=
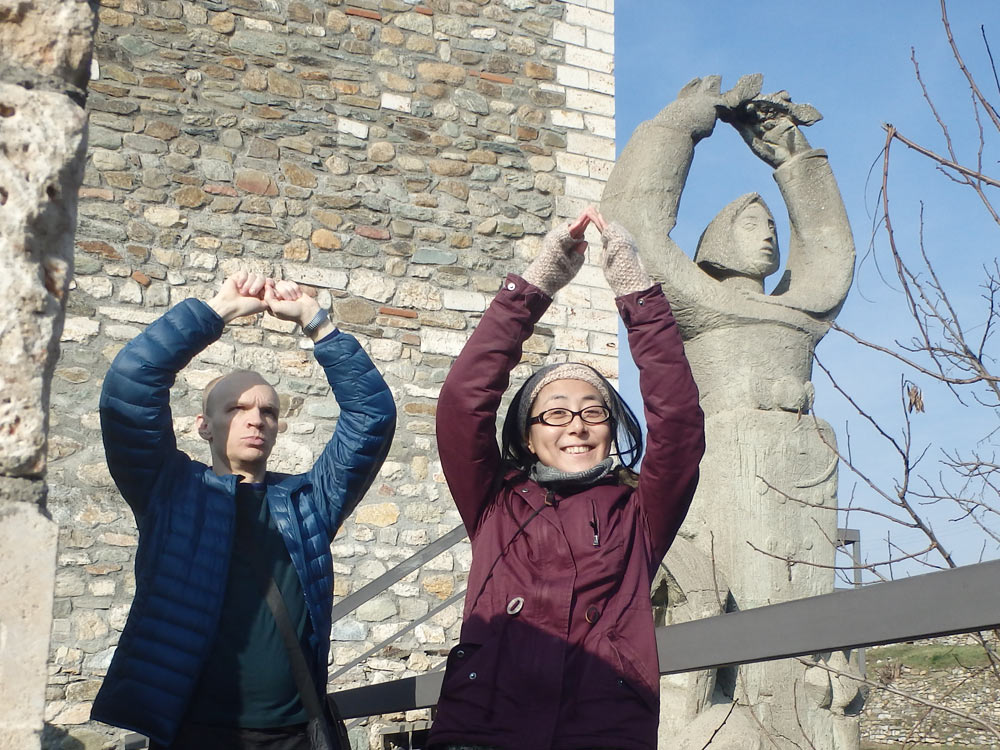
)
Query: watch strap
[{"x": 318, "y": 319}]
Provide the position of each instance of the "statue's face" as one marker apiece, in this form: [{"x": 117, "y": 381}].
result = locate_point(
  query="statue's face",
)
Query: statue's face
[{"x": 755, "y": 244}]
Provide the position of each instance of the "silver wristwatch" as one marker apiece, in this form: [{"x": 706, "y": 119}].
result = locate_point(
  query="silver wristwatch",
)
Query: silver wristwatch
[{"x": 321, "y": 315}]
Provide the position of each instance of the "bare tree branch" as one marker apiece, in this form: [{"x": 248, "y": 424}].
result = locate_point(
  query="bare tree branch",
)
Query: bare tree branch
[
  {"x": 974, "y": 173},
  {"x": 985, "y": 725}
]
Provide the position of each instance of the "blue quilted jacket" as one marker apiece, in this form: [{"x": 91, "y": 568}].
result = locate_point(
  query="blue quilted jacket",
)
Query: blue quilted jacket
[{"x": 184, "y": 513}]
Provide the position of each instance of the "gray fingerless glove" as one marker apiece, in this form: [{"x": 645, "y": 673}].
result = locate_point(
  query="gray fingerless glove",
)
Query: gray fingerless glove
[
  {"x": 622, "y": 267},
  {"x": 557, "y": 263}
]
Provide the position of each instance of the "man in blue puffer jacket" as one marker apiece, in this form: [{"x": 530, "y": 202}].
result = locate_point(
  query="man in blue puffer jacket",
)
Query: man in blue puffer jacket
[{"x": 200, "y": 663}]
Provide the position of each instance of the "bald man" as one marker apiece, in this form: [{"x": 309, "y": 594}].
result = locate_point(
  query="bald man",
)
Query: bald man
[{"x": 201, "y": 663}]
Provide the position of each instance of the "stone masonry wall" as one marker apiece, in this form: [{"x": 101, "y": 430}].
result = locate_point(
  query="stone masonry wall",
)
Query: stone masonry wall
[
  {"x": 398, "y": 157},
  {"x": 890, "y": 719}
]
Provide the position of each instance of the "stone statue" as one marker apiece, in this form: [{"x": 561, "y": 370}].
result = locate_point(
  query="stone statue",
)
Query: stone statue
[{"x": 766, "y": 503}]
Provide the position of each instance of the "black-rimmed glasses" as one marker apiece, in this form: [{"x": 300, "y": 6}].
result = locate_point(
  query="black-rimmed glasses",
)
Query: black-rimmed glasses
[{"x": 562, "y": 417}]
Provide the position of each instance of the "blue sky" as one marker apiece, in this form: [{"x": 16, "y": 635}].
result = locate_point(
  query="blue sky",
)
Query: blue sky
[{"x": 851, "y": 60}]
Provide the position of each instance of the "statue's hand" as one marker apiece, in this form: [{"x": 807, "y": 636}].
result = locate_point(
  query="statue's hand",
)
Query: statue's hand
[
  {"x": 746, "y": 90},
  {"x": 694, "y": 109},
  {"x": 770, "y": 126},
  {"x": 701, "y": 102},
  {"x": 781, "y": 140}
]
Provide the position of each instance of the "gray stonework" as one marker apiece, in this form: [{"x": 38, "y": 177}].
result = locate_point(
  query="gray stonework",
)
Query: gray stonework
[
  {"x": 398, "y": 157},
  {"x": 45, "y": 49}
]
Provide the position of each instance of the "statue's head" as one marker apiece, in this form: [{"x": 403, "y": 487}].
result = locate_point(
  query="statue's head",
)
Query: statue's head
[{"x": 740, "y": 240}]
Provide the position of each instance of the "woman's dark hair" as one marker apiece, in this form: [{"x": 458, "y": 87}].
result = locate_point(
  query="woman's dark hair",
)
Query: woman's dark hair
[{"x": 624, "y": 429}]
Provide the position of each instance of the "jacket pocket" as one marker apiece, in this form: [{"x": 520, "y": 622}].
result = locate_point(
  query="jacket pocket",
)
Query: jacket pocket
[
  {"x": 460, "y": 659},
  {"x": 470, "y": 679},
  {"x": 632, "y": 676}
]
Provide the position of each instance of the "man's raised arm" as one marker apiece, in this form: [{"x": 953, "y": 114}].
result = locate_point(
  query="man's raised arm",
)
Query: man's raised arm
[{"x": 361, "y": 440}]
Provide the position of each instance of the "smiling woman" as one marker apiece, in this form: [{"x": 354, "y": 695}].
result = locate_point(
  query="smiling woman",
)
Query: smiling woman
[{"x": 557, "y": 644}]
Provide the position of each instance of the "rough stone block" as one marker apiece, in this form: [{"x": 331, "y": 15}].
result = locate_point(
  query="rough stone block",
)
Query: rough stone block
[
  {"x": 371, "y": 285},
  {"x": 377, "y": 514},
  {"x": 442, "y": 72},
  {"x": 583, "y": 187},
  {"x": 590, "y": 145},
  {"x": 442, "y": 342},
  {"x": 582, "y": 57},
  {"x": 590, "y": 18},
  {"x": 298, "y": 175},
  {"x": 397, "y": 102},
  {"x": 40, "y": 174},
  {"x": 27, "y": 582},
  {"x": 255, "y": 181},
  {"x": 313, "y": 275},
  {"x": 587, "y": 101}
]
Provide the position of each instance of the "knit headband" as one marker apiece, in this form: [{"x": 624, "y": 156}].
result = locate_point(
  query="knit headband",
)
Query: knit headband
[{"x": 550, "y": 374}]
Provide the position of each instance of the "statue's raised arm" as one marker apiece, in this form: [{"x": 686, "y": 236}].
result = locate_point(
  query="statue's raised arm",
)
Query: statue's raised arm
[
  {"x": 644, "y": 189},
  {"x": 738, "y": 249},
  {"x": 820, "y": 264}
]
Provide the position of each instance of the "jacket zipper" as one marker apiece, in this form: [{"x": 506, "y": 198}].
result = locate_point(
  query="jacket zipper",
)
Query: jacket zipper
[{"x": 593, "y": 524}]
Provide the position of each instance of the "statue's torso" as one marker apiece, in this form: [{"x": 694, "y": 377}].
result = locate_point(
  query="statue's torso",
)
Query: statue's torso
[{"x": 753, "y": 365}]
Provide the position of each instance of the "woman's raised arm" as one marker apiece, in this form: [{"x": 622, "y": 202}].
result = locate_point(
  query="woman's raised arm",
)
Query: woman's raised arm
[{"x": 470, "y": 397}]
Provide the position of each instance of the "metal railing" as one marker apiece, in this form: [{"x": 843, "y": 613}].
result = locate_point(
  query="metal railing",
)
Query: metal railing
[
  {"x": 370, "y": 590},
  {"x": 960, "y": 600}
]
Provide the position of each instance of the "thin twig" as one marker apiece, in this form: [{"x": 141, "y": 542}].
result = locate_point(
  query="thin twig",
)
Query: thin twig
[{"x": 968, "y": 171}]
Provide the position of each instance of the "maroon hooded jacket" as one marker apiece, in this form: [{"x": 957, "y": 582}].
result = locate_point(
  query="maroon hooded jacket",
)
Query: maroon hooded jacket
[{"x": 557, "y": 647}]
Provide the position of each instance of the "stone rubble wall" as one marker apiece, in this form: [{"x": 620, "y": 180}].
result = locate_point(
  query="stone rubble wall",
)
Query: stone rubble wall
[
  {"x": 398, "y": 157},
  {"x": 889, "y": 719}
]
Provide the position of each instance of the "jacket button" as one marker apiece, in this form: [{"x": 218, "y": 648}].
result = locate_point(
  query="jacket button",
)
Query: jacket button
[
  {"x": 514, "y": 605},
  {"x": 641, "y": 301},
  {"x": 460, "y": 654},
  {"x": 593, "y": 614},
  {"x": 511, "y": 286},
  {"x": 472, "y": 675}
]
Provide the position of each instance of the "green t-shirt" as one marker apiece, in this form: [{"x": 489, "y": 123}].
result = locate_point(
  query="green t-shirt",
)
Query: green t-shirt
[{"x": 247, "y": 681}]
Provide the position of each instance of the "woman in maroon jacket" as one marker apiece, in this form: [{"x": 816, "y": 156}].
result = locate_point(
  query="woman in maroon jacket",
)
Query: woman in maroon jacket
[{"x": 557, "y": 646}]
